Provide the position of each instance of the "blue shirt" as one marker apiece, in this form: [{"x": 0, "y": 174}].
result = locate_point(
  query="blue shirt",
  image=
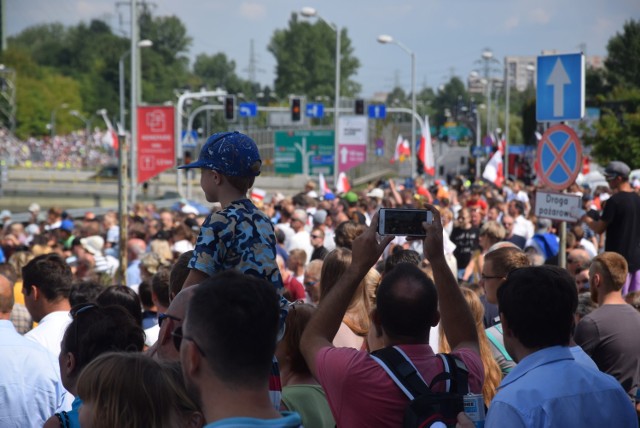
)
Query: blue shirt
[
  {"x": 30, "y": 386},
  {"x": 288, "y": 420},
  {"x": 238, "y": 237},
  {"x": 550, "y": 389}
]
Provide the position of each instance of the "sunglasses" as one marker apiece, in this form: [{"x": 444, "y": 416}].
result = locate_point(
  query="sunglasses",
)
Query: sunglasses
[
  {"x": 316, "y": 236},
  {"x": 485, "y": 277},
  {"x": 178, "y": 337},
  {"x": 162, "y": 317},
  {"x": 310, "y": 283},
  {"x": 582, "y": 281}
]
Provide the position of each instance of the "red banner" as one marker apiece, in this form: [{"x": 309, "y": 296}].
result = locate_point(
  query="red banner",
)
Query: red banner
[{"x": 156, "y": 145}]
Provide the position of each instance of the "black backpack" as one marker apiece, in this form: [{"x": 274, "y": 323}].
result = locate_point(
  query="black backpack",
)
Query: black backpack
[{"x": 426, "y": 407}]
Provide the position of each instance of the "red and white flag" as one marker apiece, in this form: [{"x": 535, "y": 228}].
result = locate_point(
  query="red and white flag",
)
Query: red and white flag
[
  {"x": 322, "y": 184},
  {"x": 258, "y": 194},
  {"x": 426, "y": 149},
  {"x": 111, "y": 136},
  {"x": 402, "y": 151},
  {"x": 342, "y": 186},
  {"x": 493, "y": 171}
]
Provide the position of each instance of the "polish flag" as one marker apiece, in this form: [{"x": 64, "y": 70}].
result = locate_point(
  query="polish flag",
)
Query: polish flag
[
  {"x": 342, "y": 186},
  {"x": 426, "y": 149},
  {"x": 111, "y": 136},
  {"x": 322, "y": 184},
  {"x": 493, "y": 171},
  {"x": 396, "y": 152},
  {"x": 258, "y": 194}
]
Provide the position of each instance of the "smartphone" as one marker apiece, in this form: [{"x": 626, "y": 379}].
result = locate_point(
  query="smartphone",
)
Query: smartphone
[{"x": 403, "y": 221}]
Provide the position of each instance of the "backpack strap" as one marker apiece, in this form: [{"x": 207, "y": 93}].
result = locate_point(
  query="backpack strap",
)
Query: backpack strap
[
  {"x": 455, "y": 374},
  {"x": 401, "y": 370}
]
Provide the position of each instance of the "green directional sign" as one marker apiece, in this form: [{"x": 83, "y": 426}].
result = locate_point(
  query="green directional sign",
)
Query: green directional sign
[{"x": 317, "y": 147}]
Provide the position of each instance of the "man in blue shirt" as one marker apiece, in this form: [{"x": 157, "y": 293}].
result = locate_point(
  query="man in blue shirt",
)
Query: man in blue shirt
[
  {"x": 548, "y": 388},
  {"x": 30, "y": 386}
]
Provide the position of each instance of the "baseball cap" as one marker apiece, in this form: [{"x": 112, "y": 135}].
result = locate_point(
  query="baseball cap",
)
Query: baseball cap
[
  {"x": 376, "y": 193},
  {"x": 319, "y": 217},
  {"x": 67, "y": 225},
  {"x": 351, "y": 197},
  {"x": 34, "y": 207},
  {"x": 93, "y": 244},
  {"x": 5, "y": 214},
  {"x": 617, "y": 169},
  {"x": 229, "y": 153}
]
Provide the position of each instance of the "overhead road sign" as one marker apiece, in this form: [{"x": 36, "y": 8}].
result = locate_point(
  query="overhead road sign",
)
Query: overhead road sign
[
  {"x": 560, "y": 90},
  {"x": 248, "y": 109},
  {"x": 559, "y": 158},
  {"x": 315, "y": 110},
  {"x": 377, "y": 111}
]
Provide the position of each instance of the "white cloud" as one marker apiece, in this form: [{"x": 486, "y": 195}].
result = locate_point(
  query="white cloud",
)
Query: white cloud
[
  {"x": 539, "y": 16},
  {"x": 512, "y": 22},
  {"x": 253, "y": 11}
]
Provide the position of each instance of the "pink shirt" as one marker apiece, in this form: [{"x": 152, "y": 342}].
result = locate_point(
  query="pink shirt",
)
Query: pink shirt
[{"x": 361, "y": 393}]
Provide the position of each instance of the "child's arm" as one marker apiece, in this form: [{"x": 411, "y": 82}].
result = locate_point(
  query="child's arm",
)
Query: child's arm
[{"x": 195, "y": 277}]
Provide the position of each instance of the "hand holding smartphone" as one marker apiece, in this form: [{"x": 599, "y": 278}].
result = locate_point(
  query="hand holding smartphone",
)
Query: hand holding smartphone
[{"x": 403, "y": 221}]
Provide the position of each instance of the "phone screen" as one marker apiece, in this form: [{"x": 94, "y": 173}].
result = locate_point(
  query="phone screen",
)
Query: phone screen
[{"x": 403, "y": 221}]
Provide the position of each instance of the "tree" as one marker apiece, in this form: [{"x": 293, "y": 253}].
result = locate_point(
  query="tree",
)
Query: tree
[
  {"x": 305, "y": 57},
  {"x": 623, "y": 60}
]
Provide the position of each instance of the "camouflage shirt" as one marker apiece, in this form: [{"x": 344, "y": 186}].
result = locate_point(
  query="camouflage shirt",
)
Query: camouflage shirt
[{"x": 238, "y": 237}]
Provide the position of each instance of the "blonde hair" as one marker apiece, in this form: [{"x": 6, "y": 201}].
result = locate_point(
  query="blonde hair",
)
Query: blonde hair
[
  {"x": 492, "y": 372},
  {"x": 357, "y": 316},
  {"x": 130, "y": 390},
  {"x": 162, "y": 248}
]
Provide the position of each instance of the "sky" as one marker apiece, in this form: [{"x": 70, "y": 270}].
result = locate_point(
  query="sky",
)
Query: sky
[{"x": 446, "y": 36}]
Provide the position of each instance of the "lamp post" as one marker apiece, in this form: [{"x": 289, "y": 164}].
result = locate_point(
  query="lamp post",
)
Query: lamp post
[
  {"x": 87, "y": 122},
  {"x": 385, "y": 39},
  {"x": 310, "y": 12},
  {"x": 134, "y": 102},
  {"x": 52, "y": 127}
]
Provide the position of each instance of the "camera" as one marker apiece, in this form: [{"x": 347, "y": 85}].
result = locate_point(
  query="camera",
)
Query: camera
[{"x": 403, "y": 221}]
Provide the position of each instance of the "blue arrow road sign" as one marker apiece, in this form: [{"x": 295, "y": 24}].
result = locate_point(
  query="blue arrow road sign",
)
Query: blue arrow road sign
[
  {"x": 377, "y": 111},
  {"x": 248, "y": 109},
  {"x": 315, "y": 110},
  {"x": 560, "y": 92}
]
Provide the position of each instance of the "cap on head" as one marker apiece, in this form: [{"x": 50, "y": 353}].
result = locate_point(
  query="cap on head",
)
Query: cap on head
[
  {"x": 617, "y": 169},
  {"x": 5, "y": 214},
  {"x": 229, "y": 153},
  {"x": 67, "y": 225},
  {"x": 351, "y": 197},
  {"x": 376, "y": 193},
  {"x": 93, "y": 244}
]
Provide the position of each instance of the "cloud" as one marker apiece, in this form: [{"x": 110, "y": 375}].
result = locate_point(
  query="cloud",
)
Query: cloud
[
  {"x": 253, "y": 11},
  {"x": 512, "y": 22},
  {"x": 539, "y": 16}
]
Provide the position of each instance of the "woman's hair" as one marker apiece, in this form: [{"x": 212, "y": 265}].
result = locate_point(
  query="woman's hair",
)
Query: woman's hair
[
  {"x": 493, "y": 230},
  {"x": 124, "y": 297},
  {"x": 335, "y": 264},
  {"x": 492, "y": 372},
  {"x": 18, "y": 260},
  {"x": 185, "y": 401},
  {"x": 297, "y": 319},
  {"x": 130, "y": 390},
  {"x": 346, "y": 232},
  {"x": 96, "y": 330},
  {"x": 162, "y": 248}
]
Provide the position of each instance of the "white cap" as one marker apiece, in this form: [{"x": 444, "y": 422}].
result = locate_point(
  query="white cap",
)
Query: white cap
[
  {"x": 34, "y": 208},
  {"x": 5, "y": 214},
  {"x": 93, "y": 244},
  {"x": 376, "y": 193}
]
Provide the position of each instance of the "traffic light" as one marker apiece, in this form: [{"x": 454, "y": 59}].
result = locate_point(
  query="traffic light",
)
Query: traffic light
[
  {"x": 295, "y": 110},
  {"x": 230, "y": 108},
  {"x": 359, "y": 107}
]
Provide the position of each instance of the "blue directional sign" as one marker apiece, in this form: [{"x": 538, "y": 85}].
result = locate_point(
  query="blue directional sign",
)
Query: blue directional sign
[
  {"x": 560, "y": 92},
  {"x": 248, "y": 109},
  {"x": 315, "y": 110},
  {"x": 377, "y": 111}
]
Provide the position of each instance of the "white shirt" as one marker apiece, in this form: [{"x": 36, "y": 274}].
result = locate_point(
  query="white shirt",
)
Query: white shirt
[
  {"x": 523, "y": 227},
  {"x": 50, "y": 331},
  {"x": 301, "y": 239}
]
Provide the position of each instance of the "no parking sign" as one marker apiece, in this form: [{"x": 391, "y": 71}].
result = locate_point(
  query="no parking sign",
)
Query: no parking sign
[{"x": 559, "y": 158}]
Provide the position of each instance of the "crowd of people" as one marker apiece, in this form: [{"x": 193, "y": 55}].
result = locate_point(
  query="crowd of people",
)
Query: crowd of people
[{"x": 275, "y": 311}]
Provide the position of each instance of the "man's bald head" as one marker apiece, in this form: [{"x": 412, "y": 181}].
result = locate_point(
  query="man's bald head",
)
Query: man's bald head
[
  {"x": 6, "y": 297},
  {"x": 176, "y": 313}
]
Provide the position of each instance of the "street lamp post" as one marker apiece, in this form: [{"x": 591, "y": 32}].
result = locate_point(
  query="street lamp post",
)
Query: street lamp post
[
  {"x": 384, "y": 39},
  {"x": 87, "y": 122},
  {"x": 52, "y": 127},
  {"x": 311, "y": 12},
  {"x": 141, "y": 44}
]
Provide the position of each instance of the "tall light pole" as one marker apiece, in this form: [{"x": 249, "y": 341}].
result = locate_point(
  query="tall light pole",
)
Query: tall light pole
[
  {"x": 87, "y": 122},
  {"x": 384, "y": 39},
  {"x": 310, "y": 12},
  {"x": 141, "y": 44},
  {"x": 52, "y": 127}
]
